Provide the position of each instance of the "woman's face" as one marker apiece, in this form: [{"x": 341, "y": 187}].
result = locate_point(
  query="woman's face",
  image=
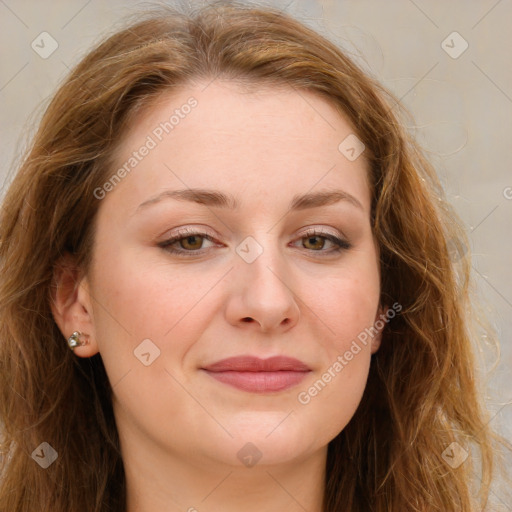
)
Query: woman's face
[{"x": 264, "y": 279}]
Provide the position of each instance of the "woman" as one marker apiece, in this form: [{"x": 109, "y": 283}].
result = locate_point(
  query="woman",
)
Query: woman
[{"x": 177, "y": 335}]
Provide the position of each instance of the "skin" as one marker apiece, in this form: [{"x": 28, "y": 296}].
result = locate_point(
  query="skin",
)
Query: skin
[{"x": 180, "y": 429}]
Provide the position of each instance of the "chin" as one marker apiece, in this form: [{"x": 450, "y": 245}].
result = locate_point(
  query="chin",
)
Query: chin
[{"x": 267, "y": 441}]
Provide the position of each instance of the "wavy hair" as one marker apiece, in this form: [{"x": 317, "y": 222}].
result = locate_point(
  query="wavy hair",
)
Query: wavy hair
[{"x": 422, "y": 392}]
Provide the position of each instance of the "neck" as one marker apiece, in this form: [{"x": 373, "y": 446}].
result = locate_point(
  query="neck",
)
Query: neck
[{"x": 166, "y": 484}]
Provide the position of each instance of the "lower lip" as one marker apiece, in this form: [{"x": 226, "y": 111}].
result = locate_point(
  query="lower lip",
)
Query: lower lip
[{"x": 259, "y": 382}]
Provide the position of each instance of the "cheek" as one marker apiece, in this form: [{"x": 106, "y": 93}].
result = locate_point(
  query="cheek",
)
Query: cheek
[
  {"x": 146, "y": 298},
  {"x": 347, "y": 306},
  {"x": 142, "y": 309},
  {"x": 138, "y": 300},
  {"x": 330, "y": 400}
]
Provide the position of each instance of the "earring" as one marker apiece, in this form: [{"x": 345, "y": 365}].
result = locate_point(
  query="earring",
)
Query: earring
[{"x": 74, "y": 340}]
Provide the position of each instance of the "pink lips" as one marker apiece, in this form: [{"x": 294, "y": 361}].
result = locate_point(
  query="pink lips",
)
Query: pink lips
[{"x": 259, "y": 375}]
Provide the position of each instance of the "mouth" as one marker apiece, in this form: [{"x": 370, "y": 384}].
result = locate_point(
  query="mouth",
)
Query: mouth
[{"x": 256, "y": 375}]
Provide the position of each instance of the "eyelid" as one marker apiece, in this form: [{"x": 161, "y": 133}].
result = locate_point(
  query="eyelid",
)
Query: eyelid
[
  {"x": 320, "y": 231},
  {"x": 189, "y": 231},
  {"x": 311, "y": 230}
]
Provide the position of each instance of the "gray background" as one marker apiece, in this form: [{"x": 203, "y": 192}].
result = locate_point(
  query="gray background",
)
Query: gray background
[{"x": 462, "y": 109}]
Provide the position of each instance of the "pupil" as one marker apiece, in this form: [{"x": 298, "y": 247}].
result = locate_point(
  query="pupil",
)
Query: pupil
[
  {"x": 311, "y": 240},
  {"x": 190, "y": 239}
]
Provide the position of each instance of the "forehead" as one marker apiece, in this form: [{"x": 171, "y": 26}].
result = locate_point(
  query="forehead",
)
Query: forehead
[{"x": 260, "y": 142}]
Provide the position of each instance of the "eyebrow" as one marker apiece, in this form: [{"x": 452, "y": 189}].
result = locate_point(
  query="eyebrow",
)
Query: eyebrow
[{"x": 218, "y": 199}]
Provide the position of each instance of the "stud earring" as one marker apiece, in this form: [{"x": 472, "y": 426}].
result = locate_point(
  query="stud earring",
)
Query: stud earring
[{"x": 76, "y": 340}]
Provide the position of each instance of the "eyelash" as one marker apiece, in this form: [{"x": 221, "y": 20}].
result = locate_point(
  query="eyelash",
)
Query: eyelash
[{"x": 342, "y": 245}]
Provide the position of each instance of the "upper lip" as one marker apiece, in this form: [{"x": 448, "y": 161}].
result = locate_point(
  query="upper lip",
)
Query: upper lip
[{"x": 255, "y": 364}]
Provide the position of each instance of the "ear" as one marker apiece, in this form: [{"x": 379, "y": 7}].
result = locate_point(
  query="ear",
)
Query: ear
[
  {"x": 71, "y": 304},
  {"x": 380, "y": 322}
]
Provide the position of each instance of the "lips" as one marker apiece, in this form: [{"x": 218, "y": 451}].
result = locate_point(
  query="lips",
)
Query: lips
[
  {"x": 257, "y": 375},
  {"x": 255, "y": 364}
]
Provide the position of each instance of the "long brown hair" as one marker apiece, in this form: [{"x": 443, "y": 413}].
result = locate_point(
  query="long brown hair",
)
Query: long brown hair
[{"x": 422, "y": 392}]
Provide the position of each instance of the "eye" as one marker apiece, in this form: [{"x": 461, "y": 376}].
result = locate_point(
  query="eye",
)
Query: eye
[
  {"x": 190, "y": 243},
  {"x": 315, "y": 240}
]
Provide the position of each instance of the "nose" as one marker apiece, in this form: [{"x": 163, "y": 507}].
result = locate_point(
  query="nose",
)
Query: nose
[{"x": 261, "y": 294}]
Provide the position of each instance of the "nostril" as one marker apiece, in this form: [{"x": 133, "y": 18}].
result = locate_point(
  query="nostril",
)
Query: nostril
[{"x": 247, "y": 319}]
